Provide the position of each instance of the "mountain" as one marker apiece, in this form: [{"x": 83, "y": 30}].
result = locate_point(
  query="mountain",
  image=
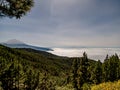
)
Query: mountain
[
  {"x": 19, "y": 44},
  {"x": 14, "y": 41}
]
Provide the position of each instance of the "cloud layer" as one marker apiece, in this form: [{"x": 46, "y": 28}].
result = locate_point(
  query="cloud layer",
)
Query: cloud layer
[{"x": 59, "y": 23}]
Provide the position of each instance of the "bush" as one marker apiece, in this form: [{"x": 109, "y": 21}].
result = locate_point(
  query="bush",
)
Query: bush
[
  {"x": 107, "y": 86},
  {"x": 66, "y": 87},
  {"x": 86, "y": 86}
]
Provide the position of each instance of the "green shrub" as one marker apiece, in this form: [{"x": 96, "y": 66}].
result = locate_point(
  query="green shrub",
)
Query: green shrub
[{"x": 86, "y": 86}]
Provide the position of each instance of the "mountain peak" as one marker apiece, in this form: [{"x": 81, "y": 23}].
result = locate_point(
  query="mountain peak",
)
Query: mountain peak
[{"x": 14, "y": 41}]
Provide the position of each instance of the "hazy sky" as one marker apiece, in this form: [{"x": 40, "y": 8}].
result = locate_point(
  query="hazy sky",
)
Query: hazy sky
[{"x": 59, "y": 23}]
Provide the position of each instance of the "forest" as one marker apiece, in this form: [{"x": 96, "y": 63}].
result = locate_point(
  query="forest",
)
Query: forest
[{"x": 28, "y": 69}]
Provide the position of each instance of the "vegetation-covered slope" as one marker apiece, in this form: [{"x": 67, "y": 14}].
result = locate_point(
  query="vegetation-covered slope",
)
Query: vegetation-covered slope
[
  {"x": 28, "y": 69},
  {"x": 38, "y": 59}
]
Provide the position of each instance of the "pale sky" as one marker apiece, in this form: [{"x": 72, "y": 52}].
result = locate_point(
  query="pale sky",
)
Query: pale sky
[{"x": 66, "y": 23}]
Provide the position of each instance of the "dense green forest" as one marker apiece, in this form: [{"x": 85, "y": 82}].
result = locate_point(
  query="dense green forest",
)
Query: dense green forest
[{"x": 28, "y": 69}]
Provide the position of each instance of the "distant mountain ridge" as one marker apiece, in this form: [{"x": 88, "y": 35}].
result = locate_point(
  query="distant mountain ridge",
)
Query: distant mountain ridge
[
  {"x": 14, "y": 41},
  {"x": 19, "y": 44}
]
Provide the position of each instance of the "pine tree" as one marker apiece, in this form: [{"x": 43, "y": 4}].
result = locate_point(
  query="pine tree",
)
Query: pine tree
[
  {"x": 110, "y": 68},
  {"x": 9, "y": 78},
  {"x": 118, "y": 71},
  {"x": 46, "y": 84},
  {"x": 107, "y": 57},
  {"x": 113, "y": 65},
  {"x": 15, "y": 8},
  {"x": 105, "y": 71},
  {"x": 32, "y": 80},
  {"x": 96, "y": 75},
  {"x": 80, "y": 73},
  {"x": 75, "y": 73},
  {"x": 83, "y": 71}
]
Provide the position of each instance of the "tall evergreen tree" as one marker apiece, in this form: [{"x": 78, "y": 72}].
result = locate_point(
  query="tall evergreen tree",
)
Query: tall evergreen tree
[
  {"x": 75, "y": 67},
  {"x": 96, "y": 75},
  {"x": 9, "y": 78},
  {"x": 32, "y": 80},
  {"x": 113, "y": 65},
  {"x": 46, "y": 84},
  {"x": 118, "y": 71},
  {"x": 110, "y": 68},
  {"x": 80, "y": 73},
  {"x": 107, "y": 57},
  {"x": 105, "y": 71},
  {"x": 83, "y": 71}
]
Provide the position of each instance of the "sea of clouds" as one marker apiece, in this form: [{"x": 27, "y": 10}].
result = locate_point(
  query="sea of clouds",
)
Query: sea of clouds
[{"x": 93, "y": 53}]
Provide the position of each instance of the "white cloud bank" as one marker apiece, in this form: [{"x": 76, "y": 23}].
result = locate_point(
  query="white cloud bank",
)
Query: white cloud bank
[{"x": 93, "y": 53}]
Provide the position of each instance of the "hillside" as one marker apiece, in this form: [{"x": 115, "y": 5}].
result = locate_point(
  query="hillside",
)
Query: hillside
[
  {"x": 29, "y": 69},
  {"x": 38, "y": 59}
]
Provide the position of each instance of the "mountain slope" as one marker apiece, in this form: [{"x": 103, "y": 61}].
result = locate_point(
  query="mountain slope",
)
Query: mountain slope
[
  {"x": 19, "y": 44},
  {"x": 41, "y": 60},
  {"x": 14, "y": 41},
  {"x": 55, "y": 69}
]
